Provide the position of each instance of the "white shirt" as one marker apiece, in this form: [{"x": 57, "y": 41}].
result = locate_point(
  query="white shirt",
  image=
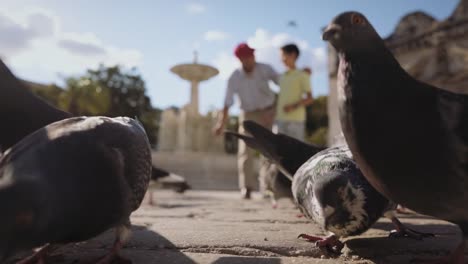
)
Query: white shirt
[{"x": 252, "y": 89}]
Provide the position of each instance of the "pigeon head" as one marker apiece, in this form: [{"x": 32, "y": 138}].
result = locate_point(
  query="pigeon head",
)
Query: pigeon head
[
  {"x": 351, "y": 31},
  {"x": 343, "y": 204}
]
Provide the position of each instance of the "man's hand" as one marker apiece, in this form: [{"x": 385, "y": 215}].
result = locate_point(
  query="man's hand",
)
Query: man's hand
[
  {"x": 218, "y": 129},
  {"x": 290, "y": 107},
  {"x": 307, "y": 70}
]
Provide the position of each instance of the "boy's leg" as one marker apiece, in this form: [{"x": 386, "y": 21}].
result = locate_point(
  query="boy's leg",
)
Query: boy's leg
[{"x": 297, "y": 130}]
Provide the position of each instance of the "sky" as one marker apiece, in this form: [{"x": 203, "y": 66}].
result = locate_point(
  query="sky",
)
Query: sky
[{"x": 48, "y": 40}]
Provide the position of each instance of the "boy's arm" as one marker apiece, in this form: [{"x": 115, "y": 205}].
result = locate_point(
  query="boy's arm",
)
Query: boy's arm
[{"x": 301, "y": 103}]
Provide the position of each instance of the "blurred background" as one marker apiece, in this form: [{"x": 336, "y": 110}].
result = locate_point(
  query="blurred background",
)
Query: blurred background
[{"x": 167, "y": 63}]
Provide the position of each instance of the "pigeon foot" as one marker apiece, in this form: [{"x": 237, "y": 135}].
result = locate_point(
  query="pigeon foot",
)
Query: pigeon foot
[
  {"x": 403, "y": 231},
  {"x": 402, "y": 210},
  {"x": 330, "y": 243},
  {"x": 123, "y": 233},
  {"x": 39, "y": 257},
  {"x": 113, "y": 256},
  {"x": 274, "y": 204},
  {"x": 150, "y": 198}
]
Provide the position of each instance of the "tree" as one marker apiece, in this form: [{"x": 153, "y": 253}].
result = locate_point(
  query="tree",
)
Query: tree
[
  {"x": 85, "y": 97},
  {"x": 50, "y": 93},
  {"x": 317, "y": 121},
  {"x": 127, "y": 90},
  {"x": 107, "y": 91}
]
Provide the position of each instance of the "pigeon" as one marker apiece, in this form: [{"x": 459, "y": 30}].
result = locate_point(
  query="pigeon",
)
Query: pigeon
[
  {"x": 409, "y": 138},
  {"x": 327, "y": 186},
  {"x": 169, "y": 180},
  {"x": 166, "y": 180},
  {"x": 292, "y": 23},
  {"x": 22, "y": 113},
  {"x": 70, "y": 181},
  {"x": 271, "y": 146},
  {"x": 277, "y": 185}
]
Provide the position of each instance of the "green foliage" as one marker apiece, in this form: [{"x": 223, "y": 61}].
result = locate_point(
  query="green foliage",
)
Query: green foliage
[
  {"x": 85, "y": 97},
  {"x": 231, "y": 142},
  {"x": 107, "y": 91},
  {"x": 127, "y": 90},
  {"x": 50, "y": 93},
  {"x": 317, "y": 121},
  {"x": 150, "y": 120},
  {"x": 319, "y": 136}
]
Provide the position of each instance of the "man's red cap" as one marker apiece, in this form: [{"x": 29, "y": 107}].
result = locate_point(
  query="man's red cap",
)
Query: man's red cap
[{"x": 243, "y": 50}]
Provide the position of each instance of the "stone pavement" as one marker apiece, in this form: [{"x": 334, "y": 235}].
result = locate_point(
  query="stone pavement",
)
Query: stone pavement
[{"x": 217, "y": 227}]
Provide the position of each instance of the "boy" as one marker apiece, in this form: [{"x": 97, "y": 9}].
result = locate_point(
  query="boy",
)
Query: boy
[{"x": 294, "y": 95}]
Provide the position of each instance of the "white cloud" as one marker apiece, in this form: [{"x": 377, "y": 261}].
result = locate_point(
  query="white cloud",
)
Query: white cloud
[
  {"x": 267, "y": 50},
  {"x": 18, "y": 33},
  {"x": 226, "y": 64},
  {"x": 215, "y": 35},
  {"x": 195, "y": 8},
  {"x": 34, "y": 38},
  {"x": 86, "y": 44}
]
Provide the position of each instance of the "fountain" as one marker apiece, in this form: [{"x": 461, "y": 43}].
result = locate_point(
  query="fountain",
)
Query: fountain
[
  {"x": 194, "y": 73},
  {"x": 187, "y": 130}
]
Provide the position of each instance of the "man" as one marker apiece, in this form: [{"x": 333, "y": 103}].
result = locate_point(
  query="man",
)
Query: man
[
  {"x": 257, "y": 102},
  {"x": 294, "y": 95}
]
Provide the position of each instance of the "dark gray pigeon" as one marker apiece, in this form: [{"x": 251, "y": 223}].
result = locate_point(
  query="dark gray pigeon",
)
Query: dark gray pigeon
[
  {"x": 409, "y": 138},
  {"x": 22, "y": 112},
  {"x": 71, "y": 181},
  {"x": 168, "y": 180},
  {"x": 271, "y": 146},
  {"x": 277, "y": 185},
  {"x": 327, "y": 186}
]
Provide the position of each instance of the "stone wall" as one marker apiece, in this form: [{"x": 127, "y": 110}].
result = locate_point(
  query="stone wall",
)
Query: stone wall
[{"x": 432, "y": 51}]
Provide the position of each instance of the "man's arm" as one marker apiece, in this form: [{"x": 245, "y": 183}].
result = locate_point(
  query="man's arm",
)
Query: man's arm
[
  {"x": 228, "y": 102},
  {"x": 273, "y": 75},
  {"x": 219, "y": 127}
]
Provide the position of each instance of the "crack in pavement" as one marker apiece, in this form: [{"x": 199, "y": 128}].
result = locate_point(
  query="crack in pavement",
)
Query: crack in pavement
[{"x": 255, "y": 251}]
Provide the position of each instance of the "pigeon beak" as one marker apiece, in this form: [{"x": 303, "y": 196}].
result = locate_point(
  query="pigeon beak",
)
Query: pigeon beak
[{"x": 331, "y": 32}]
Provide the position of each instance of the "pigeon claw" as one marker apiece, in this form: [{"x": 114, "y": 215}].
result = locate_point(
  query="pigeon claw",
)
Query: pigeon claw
[
  {"x": 42, "y": 256},
  {"x": 33, "y": 260},
  {"x": 113, "y": 256},
  {"x": 331, "y": 244},
  {"x": 402, "y": 231},
  {"x": 117, "y": 259},
  {"x": 409, "y": 233}
]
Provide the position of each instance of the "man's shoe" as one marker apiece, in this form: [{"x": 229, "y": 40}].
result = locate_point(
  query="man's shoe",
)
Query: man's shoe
[{"x": 245, "y": 192}]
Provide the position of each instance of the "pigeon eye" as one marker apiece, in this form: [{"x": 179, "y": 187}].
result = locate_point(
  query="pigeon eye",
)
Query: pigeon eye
[{"x": 357, "y": 20}]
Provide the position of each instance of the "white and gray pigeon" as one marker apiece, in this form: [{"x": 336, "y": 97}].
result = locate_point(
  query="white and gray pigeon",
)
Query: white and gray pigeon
[
  {"x": 409, "y": 138},
  {"x": 276, "y": 182},
  {"x": 69, "y": 182},
  {"x": 328, "y": 187}
]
